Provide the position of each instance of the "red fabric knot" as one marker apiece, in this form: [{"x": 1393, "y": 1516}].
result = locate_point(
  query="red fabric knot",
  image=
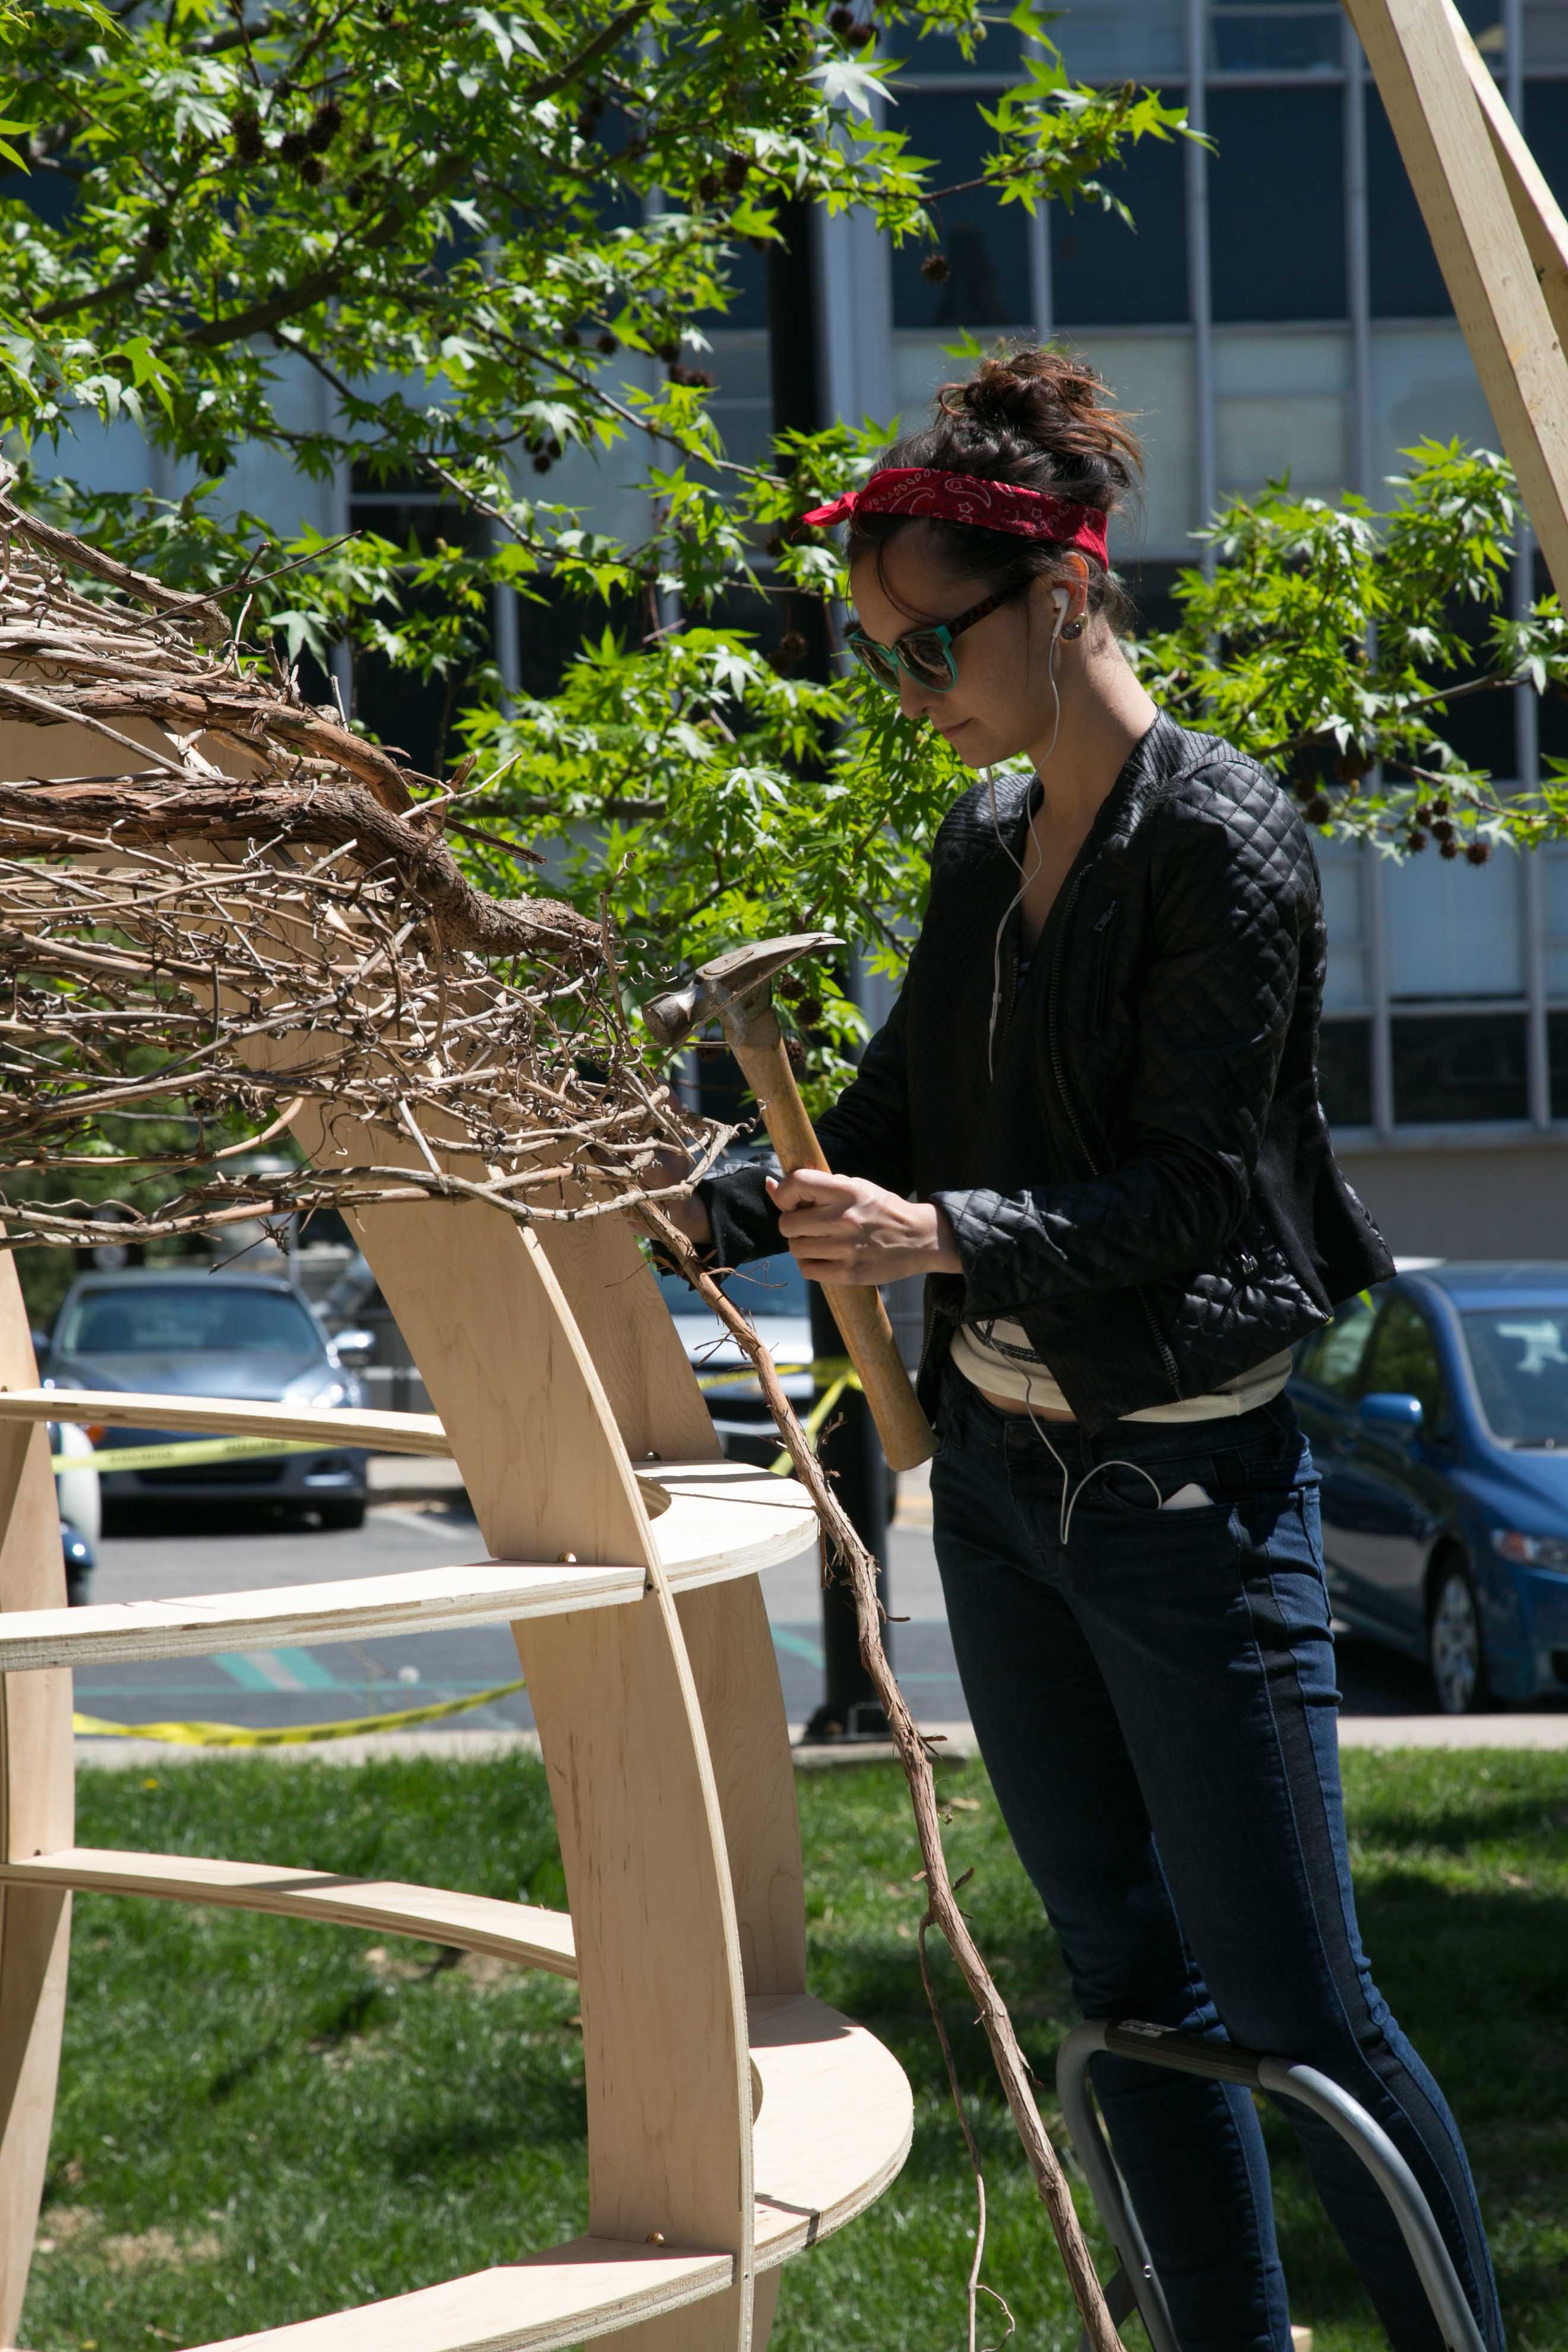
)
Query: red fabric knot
[{"x": 971, "y": 498}]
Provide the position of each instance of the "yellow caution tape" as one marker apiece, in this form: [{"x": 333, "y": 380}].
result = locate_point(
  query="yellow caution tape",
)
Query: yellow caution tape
[
  {"x": 821, "y": 1368},
  {"x": 780, "y": 1466},
  {"x": 235, "y": 1735},
  {"x": 108, "y": 1460}
]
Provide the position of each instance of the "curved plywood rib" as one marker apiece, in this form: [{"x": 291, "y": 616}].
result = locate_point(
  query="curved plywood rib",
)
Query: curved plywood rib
[
  {"x": 713, "y": 1528},
  {"x": 36, "y": 1801},
  {"x": 569, "y": 2296},
  {"x": 523, "y": 1932},
  {"x": 400, "y": 1433},
  {"x": 833, "y": 2125},
  {"x": 412, "y": 1602}
]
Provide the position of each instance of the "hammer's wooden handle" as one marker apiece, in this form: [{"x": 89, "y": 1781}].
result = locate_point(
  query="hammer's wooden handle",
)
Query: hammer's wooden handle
[{"x": 907, "y": 1436}]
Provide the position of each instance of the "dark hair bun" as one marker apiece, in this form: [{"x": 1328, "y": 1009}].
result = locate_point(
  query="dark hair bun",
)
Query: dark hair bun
[{"x": 1037, "y": 405}]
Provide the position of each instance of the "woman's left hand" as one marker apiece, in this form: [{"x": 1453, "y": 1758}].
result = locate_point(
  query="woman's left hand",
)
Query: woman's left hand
[{"x": 842, "y": 1230}]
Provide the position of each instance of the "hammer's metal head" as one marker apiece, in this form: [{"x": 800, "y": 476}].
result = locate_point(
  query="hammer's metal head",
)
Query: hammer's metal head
[{"x": 732, "y": 988}]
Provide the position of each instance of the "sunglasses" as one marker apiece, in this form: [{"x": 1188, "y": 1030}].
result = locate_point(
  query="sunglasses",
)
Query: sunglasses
[{"x": 926, "y": 652}]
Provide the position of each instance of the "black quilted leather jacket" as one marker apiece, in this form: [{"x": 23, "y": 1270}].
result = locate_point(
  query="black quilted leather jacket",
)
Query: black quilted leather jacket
[{"x": 1146, "y": 1184}]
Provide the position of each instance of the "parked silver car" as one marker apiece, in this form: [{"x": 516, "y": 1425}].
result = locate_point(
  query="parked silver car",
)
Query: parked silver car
[{"x": 180, "y": 1331}]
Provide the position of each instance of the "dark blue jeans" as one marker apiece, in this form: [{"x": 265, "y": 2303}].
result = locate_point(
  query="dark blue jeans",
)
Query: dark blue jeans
[{"x": 1155, "y": 1700}]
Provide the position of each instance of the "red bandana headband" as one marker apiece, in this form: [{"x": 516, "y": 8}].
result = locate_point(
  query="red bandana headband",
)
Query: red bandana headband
[{"x": 973, "y": 499}]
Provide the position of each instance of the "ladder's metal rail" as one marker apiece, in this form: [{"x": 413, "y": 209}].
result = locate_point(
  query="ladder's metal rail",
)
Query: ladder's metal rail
[{"x": 1187, "y": 2053}]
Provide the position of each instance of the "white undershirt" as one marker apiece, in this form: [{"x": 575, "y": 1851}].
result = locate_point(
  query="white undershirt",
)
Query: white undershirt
[{"x": 1005, "y": 1363}]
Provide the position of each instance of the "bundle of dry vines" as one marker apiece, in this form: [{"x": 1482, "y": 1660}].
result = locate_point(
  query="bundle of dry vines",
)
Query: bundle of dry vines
[{"x": 165, "y": 925}]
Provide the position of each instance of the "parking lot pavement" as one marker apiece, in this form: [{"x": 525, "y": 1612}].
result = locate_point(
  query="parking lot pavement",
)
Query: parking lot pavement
[{"x": 232, "y": 1550}]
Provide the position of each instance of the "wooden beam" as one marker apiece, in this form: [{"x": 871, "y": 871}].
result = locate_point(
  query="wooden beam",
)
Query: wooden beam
[
  {"x": 527, "y": 1934},
  {"x": 395, "y": 1432},
  {"x": 37, "y": 1813},
  {"x": 1419, "y": 54}
]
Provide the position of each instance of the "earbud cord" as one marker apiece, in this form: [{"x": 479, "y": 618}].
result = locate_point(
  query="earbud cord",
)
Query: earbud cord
[{"x": 1039, "y": 855}]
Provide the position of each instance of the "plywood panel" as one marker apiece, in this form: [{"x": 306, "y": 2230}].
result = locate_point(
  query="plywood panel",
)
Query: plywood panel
[
  {"x": 36, "y": 1813},
  {"x": 668, "y": 2088}
]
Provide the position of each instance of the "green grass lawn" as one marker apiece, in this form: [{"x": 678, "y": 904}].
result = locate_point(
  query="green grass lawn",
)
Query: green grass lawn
[{"x": 261, "y": 2119}]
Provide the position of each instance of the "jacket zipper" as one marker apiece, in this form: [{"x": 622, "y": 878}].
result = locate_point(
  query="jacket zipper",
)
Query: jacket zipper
[
  {"x": 1101, "y": 989},
  {"x": 1053, "y": 1041}
]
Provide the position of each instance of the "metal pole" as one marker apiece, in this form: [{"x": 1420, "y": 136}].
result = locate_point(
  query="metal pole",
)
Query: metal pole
[
  {"x": 1199, "y": 296},
  {"x": 848, "y": 1447}
]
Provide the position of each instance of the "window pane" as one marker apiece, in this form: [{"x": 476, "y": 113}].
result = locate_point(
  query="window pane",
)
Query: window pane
[
  {"x": 1344, "y": 1072},
  {"x": 1281, "y": 409},
  {"x": 1424, "y": 385},
  {"x": 1403, "y": 1360},
  {"x": 1467, "y": 1067},
  {"x": 1554, "y": 862},
  {"x": 1405, "y": 280},
  {"x": 1546, "y": 129},
  {"x": 1276, "y": 203},
  {"x": 1455, "y": 929},
  {"x": 1545, "y": 32},
  {"x": 938, "y": 52},
  {"x": 1557, "y": 1047},
  {"x": 1298, "y": 39},
  {"x": 1104, "y": 273},
  {"x": 1333, "y": 1361},
  {"x": 1520, "y": 1362},
  {"x": 986, "y": 247},
  {"x": 1104, "y": 39},
  {"x": 1340, "y": 865}
]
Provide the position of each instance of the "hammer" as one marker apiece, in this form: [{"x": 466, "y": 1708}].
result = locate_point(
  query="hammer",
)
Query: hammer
[{"x": 736, "y": 990}]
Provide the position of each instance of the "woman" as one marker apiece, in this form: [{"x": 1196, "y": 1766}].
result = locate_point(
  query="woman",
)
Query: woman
[{"x": 1091, "y": 1121}]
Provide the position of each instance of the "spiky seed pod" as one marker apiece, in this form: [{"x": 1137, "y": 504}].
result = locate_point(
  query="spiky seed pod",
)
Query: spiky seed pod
[
  {"x": 552, "y": 448},
  {"x": 936, "y": 268},
  {"x": 156, "y": 235},
  {"x": 860, "y": 37},
  {"x": 795, "y": 1053},
  {"x": 245, "y": 128},
  {"x": 789, "y": 652},
  {"x": 1477, "y": 852},
  {"x": 294, "y": 147},
  {"x": 840, "y": 21},
  {"x": 312, "y": 171},
  {"x": 737, "y": 172},
  {"x": 790, "y": 987},
  {"x": 606, "y": 343},
  {"x": 325, "y": 125},
  {"x": 571, "y": 337},
  {"x": 809, "y": 1010},
  {"x": 1424, "y": 813},
  {"x": 1319, "y": 809},
  {"x": 1448, "y": 848},
  {"x": 708, "y": 186},
  {"x": 1352, "y": 763},
  {"x": 1443, "y": 830},
  {"x": 1415, "y": 840},
  {"x": 542, "y": 464},
  {"x": 668, "y": 352}
]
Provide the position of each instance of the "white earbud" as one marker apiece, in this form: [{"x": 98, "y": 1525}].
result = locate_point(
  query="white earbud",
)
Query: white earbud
[{"x": 1061, "y": 600}]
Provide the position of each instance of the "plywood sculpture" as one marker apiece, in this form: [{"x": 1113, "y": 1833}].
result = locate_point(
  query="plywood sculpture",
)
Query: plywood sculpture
[{"x": 733, "y": 2120}]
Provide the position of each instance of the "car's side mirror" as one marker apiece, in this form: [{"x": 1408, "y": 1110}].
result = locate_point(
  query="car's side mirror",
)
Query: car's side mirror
[
  {"x": 354, "y": 1347},
  {"x": 1390, "y": 1414}
]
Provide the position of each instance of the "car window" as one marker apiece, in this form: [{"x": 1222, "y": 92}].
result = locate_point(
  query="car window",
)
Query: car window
[
  {"x": 1519, "y": 1357},
  {"x": 158, "y": 1320},
  {"x": 769, "y": 1286},
  {"x": 1401, "y": 1359},
  {"x": 1333, "y": 1361}
]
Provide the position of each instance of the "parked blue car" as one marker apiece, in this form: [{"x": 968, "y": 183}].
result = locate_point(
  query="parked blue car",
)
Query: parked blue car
[{"x": 1437, "y": 1412}]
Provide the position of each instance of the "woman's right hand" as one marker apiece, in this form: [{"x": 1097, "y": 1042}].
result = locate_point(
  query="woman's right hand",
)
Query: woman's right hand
[{"x": 689, "y": 1215}]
